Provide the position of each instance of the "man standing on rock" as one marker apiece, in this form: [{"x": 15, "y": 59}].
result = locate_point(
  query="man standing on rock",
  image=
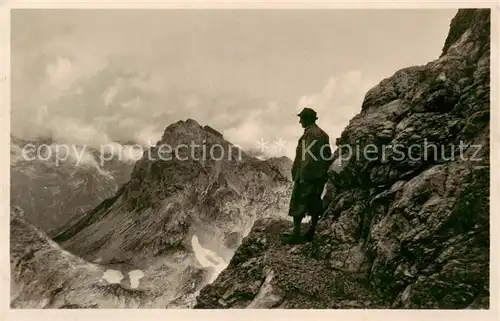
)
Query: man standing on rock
[{"x": 313, "y": 156}]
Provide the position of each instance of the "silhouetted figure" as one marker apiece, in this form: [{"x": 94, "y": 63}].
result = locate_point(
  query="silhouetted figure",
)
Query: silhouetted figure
[{"x": 313, "y": 156}]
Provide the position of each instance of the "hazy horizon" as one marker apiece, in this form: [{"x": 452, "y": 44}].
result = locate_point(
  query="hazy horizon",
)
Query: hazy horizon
[{"x": 95, "y": 76}]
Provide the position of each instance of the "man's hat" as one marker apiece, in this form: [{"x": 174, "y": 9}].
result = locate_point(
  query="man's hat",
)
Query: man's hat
[{"x": 308, "y": 113}]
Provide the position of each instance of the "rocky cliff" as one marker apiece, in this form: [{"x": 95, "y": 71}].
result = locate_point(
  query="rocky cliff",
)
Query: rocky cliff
[
  {"x": 408, "y": 221},
  {"x": 46, "y": 276}
]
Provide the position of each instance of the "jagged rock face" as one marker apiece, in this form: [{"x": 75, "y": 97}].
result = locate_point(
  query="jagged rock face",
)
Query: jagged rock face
[
  {"x": 282, "y": 164},
  {"x": 153, "y": 220},
  {"x": 45, "y": 276},
  {"x": 53, "y": 193},
  {"x": 399, "y": 232}
]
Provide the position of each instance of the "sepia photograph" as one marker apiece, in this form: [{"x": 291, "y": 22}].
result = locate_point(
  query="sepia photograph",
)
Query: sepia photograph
[{"x": 240, "y": 158}]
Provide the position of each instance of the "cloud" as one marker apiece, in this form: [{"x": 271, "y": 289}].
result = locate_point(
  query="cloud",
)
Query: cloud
[
  {"x": 74, "y": 131},
  {"x": 114, "y": 106},
  {"x": 351, "y": 80},
  {"x": 61, "y": 74},
  {"x": 319, "y": 100},
  {"x": 147, "y": 135},
  {"x": 128, "y": 80},
  {"x": 109, "y": 95},
  {"x": 336, "y": 102},
  {"x": 245, "y": 134},
  {"x": 192, "y": 102}
]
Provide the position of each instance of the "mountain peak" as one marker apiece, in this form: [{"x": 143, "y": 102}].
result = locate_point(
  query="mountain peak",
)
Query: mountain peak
[
  {"x": 184, "y": 124},
  {"x": 191, "y": 122},
  {"x": 191, "y": 130}
]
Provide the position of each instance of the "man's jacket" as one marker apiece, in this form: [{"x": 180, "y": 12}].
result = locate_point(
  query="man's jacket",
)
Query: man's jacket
[{"x": 313, "y": 155}]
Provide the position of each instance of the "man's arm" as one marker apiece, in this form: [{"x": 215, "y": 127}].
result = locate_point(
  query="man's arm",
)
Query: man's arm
[
  {"x": 296, "y": 162},
  {"x": 310, "y": 157},
  {"x": 295, "y": 168},
  {"x": 327, "y": 152}
]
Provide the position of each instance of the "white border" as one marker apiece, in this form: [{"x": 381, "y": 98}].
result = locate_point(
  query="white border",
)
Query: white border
[{"x": 136, "y": 314}]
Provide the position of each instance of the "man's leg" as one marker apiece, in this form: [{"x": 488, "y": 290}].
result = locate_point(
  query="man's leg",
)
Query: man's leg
[
  {"x": 297, "y": 211},
  {"x": 295, "y": 237},
  {"x": 315, "y": 206},
  {"x": 297, "y": 221}
]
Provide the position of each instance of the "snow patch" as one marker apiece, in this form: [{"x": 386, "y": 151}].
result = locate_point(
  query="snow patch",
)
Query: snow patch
[
  {"x": 112, "y": 276},
  {"x": 135, "y": 276},
  {"x": 208, "y": 258}
]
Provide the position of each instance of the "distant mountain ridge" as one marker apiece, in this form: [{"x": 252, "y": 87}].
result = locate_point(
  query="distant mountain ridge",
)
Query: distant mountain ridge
[{"x": 51, "y": 194}]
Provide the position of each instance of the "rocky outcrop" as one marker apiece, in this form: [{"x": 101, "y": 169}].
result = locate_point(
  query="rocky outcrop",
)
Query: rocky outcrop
[
  {"x": 408, "y": 221},
  {"x": 46, "y": 276},
  {"x": 282, "y": 165}
]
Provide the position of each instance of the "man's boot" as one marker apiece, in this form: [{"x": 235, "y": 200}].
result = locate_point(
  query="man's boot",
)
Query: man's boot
[
  {"x": 294, "y": 237},
  {"x": 308, "y": 237}
]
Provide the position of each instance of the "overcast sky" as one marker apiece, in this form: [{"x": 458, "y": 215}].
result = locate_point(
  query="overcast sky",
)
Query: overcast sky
[{"x": 92, "y": 76}]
